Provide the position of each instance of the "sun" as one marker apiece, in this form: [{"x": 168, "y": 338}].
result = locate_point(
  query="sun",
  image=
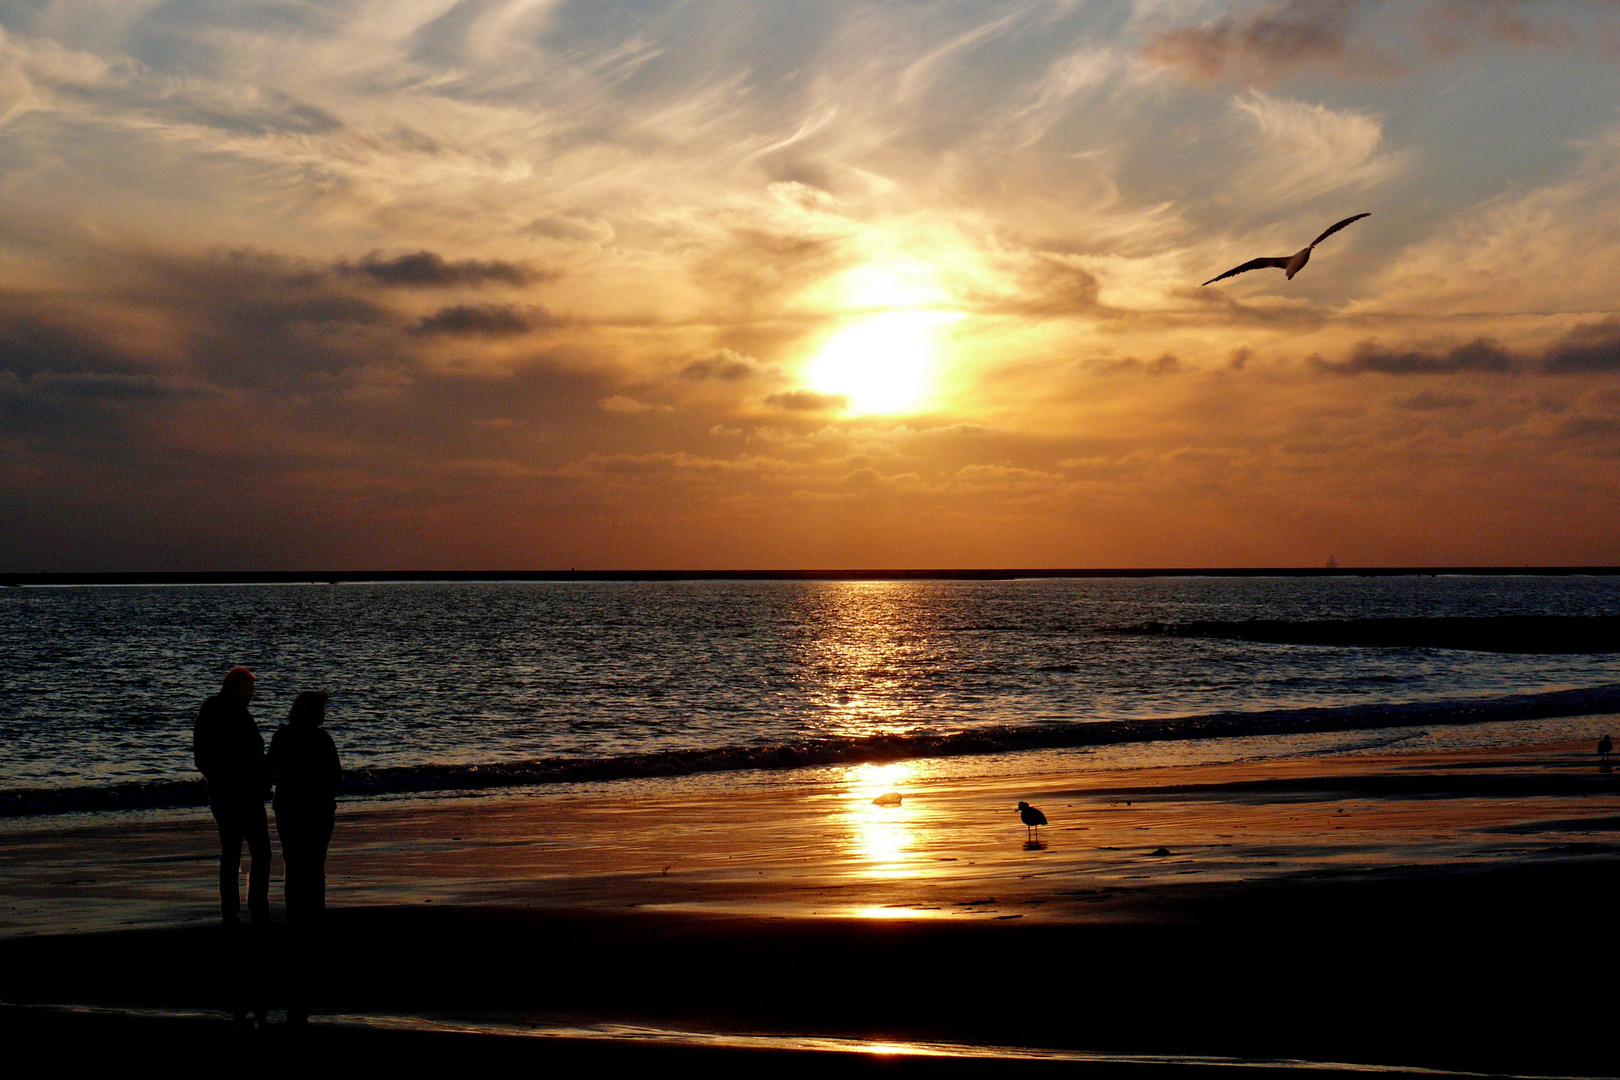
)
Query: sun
[{"x": 881, "y": 364}]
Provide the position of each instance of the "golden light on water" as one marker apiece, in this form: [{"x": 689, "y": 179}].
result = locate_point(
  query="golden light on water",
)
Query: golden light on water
[
  {"x": 860, "y": 669},
  {"x": 883, "y": 837}
]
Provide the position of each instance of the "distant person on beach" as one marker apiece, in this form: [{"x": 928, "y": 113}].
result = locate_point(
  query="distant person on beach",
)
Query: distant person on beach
[
  {"x": 304, "y": 763},
  {"x": 229, "y": 751}
]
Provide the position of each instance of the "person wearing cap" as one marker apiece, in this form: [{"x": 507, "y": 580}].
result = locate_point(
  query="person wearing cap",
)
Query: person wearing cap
[{"x": 229, "y": 751}]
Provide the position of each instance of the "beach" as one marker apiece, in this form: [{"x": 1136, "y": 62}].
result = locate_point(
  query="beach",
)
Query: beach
[{"x": 1436, "y": 908}]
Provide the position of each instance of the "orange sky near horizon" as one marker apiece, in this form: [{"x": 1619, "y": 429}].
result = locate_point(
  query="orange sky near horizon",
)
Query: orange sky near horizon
[{"x": 534, "y": 284}]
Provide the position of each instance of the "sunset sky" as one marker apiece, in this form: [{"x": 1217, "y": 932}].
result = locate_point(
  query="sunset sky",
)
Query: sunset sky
[{"x": 526, "y": 284}]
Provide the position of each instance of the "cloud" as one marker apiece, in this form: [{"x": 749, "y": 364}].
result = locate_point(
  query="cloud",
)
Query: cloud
[
  {"x": 100, "y": 385},
  {"x": 1044, "y": 284},
  {"x": 1545, "y": 249},
  {"x": 478, "y": 320},
  {"x": 1586, "y": 350},
  {"x": 709, "y": 191},
  {"x": 1302, "y": 150},
  {"x": 1431, "y": 401},
  {"x": 430, "y": 270},
  {"x": 1595, "y": 428},
  {"x": 807, "y": 401},
  {"x": 74, "y": 393},
  {"x": 32, "y": 345},
  {"x": 1130, "y": 365},
  {"x": 1261, "y": 39},
  {"x": 1452, "y": 25},
  {"x": 619, "y": 403},
  {"x": 1372, "y": 358},
  {"x": 754, "y": 267},
  {"x": 572, "y": 227},
  {"x": 723, "y": 364}
]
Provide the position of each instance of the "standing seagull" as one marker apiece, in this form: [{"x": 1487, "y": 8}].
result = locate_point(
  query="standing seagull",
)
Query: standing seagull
[
  {"x": 1294, "y": 263},
  {"x": 1031, "y": 817}
]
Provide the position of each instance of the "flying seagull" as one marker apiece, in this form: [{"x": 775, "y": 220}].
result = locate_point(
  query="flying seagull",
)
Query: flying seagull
[{"x": 1294, "y": 263}]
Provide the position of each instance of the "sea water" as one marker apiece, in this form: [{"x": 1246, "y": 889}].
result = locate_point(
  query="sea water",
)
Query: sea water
[{"x": 438, "y": 686}]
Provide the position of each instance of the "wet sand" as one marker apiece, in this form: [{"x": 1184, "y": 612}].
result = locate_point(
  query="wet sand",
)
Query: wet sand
[{"x": 1437, "y": 909}]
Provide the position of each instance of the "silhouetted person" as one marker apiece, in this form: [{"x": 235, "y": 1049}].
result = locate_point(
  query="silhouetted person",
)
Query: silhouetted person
[
  {"x": 307, "y": 773},
  {"x": 1605, "y": 748},
  {"x": 230, "y": 752},
  {"x": 305, "y": 766}
]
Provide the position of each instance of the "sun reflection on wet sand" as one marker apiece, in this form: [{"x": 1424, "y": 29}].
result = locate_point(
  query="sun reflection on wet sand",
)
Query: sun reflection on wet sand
[{"x": 884, "y": 837}]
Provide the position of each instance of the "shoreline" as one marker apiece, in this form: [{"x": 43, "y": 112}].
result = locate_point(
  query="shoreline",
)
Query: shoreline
[
  {"x": 1319, "y": 908},
  {"x": 1580, "y": 704},
  {"x": 814, "y": 843}
]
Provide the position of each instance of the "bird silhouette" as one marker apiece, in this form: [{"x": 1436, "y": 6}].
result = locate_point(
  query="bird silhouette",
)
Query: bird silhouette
[
  {"x": 1031, "y": 817},
  {"x": 1605, "y": 747},
  {"x": 1291, "y": 264}
]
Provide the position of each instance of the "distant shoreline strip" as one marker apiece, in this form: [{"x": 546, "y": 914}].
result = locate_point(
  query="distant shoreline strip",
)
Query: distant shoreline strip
[
  {"x": 421, "y": 779},
  {"x": 1546, "y": 634},
  {"x": 365, "y": 577}
]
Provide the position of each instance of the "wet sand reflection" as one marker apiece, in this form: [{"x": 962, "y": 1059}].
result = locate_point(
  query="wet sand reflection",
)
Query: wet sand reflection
[{"x": 882, "y": 837}]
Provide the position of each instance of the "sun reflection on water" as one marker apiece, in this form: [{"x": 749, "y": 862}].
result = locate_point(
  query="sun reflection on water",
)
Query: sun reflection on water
[{"x": 867, "y": 664}]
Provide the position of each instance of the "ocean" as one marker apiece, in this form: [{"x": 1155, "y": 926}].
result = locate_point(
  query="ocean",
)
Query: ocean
[{"x": 439, "y": 687}]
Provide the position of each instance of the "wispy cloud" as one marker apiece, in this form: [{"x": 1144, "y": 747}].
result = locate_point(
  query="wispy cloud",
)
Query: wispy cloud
[
  {"x": 1302, "y": 150},
  {"x": 509, "y": 281}
]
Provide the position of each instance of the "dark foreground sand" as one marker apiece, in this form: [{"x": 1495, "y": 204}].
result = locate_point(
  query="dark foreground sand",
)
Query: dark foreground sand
[{"x": 1449, "y": 911}]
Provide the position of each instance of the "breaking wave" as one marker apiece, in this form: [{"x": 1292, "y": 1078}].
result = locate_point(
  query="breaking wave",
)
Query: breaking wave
[{"x": 417, "y": 779}]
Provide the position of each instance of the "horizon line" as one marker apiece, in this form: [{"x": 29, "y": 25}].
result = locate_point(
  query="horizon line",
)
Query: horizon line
[{"x": 333, "y": 577}]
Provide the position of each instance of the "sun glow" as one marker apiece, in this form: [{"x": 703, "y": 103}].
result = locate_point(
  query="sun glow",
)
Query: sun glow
[{"x": 882, "y": 364}]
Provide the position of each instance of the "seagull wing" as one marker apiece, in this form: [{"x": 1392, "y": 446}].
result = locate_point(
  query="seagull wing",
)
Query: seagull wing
[
  {"x": 1252, "y": 264},
  {"x": 1331, "y": 229}
]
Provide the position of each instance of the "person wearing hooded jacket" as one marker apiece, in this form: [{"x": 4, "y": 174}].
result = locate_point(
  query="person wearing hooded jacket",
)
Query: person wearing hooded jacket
[{"x": 304, "y": 763}]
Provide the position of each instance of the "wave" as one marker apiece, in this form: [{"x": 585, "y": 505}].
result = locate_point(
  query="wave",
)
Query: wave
[
  {"x": 419, "y": 779},
  {"x": 1480, "y": 633}
]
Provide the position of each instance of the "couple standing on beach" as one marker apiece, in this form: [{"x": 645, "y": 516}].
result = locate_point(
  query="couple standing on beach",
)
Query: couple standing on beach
[{"x": 303, "y": 765}]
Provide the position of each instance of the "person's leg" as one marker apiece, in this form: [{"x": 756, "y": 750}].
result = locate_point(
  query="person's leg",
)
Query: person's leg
[
  {"x": 230, "y": 957},
  {"x": 295, "y": 846},
  {"x": 256, "y": 829},
  {"x": 320, "y": 841},
  {"x": 292, "y": 865},
  {"x": 230, "y": 862}
]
